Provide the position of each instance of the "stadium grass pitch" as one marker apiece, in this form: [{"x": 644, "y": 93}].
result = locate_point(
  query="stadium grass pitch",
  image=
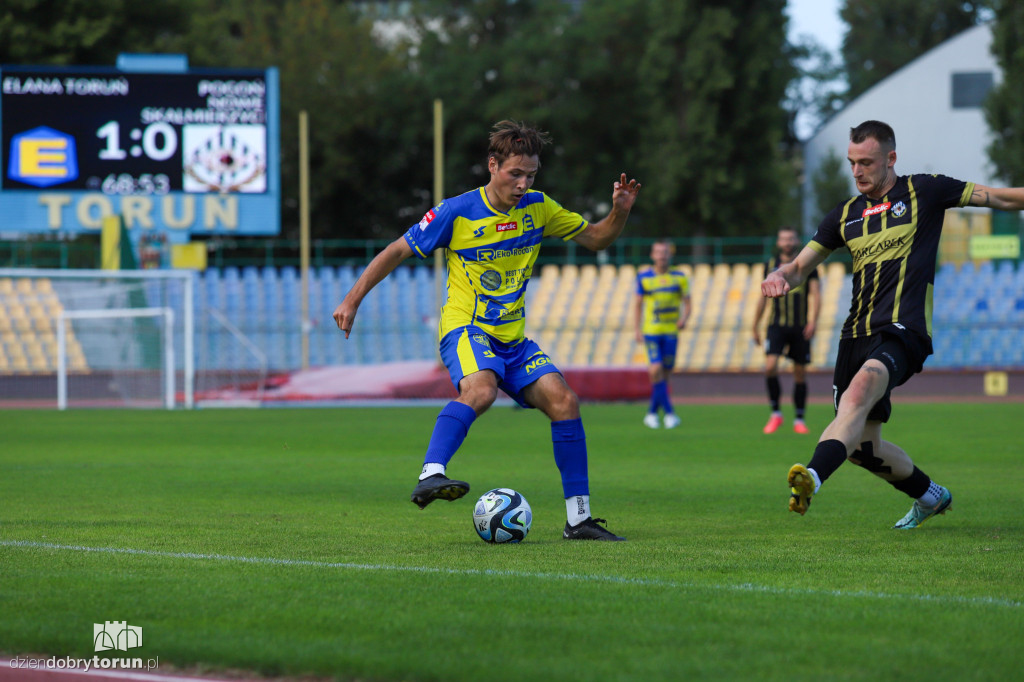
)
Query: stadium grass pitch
[{"x": 283, "y": 542}]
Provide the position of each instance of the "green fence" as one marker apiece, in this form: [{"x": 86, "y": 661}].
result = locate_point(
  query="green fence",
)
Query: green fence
[{"x": 241, "y": 252}]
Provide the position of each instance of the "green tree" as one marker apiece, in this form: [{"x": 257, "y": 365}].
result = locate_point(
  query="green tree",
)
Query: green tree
[
  {"x": 1004, "y": 109},
  {"x": 830, "y": 183},
  {"x": 367, "y": 153},
  {"x": 86, "y": 32},
  {"x": 885, "y": 35},
  {"x": 713, "y": 80}
]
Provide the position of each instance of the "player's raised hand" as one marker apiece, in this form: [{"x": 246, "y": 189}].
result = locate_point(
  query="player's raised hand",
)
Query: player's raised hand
[
  {"x": 344, "y": 316},
  {"x": 624, "y": 193},
  {"x": 774, "y": 285}
]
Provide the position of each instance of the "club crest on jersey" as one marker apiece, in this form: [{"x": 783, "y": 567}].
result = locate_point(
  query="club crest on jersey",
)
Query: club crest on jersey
[
  {"x": 481, "y": 339},
  {"x": 490, "y": 280},
  {"x": 506, "y": 227},
  {"x": 875, "y": 210},
  {"x": 899, "y": 209},
  {"x": 427, "y": 219}
]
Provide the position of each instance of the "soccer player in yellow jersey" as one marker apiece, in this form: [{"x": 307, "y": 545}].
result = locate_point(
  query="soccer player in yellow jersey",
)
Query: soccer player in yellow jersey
[
  {"x": 660, "y": 311},
  {"x": 491, "y": 236},
  {"x": 892, "y": 231}
]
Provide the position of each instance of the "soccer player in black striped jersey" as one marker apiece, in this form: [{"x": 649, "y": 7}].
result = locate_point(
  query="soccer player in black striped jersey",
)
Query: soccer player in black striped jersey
[
  {"x": 791, "y": 327},
  {"x": 892, "y": 230}
]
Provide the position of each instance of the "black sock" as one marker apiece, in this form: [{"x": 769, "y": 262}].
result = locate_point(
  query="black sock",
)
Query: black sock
[
  {"x": 914, "y": 485},
  {"x": 800, "y": 399},
  {"x": 828, "y": 456},
  {"x": 774, "y": 391}
]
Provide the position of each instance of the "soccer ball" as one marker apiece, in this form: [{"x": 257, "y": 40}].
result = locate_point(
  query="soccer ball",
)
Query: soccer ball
[{"x": 502, "y": 515}]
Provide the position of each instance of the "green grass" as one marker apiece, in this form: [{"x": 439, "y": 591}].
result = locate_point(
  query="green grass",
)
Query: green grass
[{"x": 718, "y": 580}]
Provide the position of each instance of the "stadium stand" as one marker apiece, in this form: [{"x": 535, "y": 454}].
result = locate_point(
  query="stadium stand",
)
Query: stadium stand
[
  {"x": 583, "y": 316},
  {"x": 29, "y": 309}
]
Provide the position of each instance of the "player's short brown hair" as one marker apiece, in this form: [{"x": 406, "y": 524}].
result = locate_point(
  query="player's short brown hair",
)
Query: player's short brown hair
[
  {"x": 513, "y": 138},
  {"x": 882, "y": 132}
]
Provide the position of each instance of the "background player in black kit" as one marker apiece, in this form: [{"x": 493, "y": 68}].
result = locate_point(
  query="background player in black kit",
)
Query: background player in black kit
[
  {"x": 892, "y": 231},
  {"x": 791, "y": 327}
]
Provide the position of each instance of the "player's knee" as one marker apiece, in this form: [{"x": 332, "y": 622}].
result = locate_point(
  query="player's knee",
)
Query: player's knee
[
  {"x": 564, "y": 404},
  {"x": 480, "y": 396},
  {"x": 862, "y": 393}
]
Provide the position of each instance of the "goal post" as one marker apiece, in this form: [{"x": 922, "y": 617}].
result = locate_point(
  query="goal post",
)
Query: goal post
[
  {"x": 166, "y": 363},
  {"x": 97, "y": 337}
]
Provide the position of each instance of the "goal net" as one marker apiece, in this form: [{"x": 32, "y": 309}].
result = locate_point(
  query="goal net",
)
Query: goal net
[{"x": 77, "y": 338}]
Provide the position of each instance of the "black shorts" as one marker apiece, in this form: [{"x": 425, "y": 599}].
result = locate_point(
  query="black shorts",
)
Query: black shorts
[
  {"x": 778, "y": 339},
  {"x": 902, "y": 352}
]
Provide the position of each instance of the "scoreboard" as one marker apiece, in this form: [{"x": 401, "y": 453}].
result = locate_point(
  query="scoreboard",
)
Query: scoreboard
[{"x": 186, "y": 152}]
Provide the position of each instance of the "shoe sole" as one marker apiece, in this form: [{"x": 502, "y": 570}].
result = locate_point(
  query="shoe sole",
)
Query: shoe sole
[
  {"x": 449, "y": 492},
  {"x": 801, "y": 487}
]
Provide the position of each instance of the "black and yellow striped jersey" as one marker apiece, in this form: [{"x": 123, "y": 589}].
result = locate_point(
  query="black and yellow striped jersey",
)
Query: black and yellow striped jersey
[
  {"x": 789, "y": 310},
  {"x": 894, "y": 242}
]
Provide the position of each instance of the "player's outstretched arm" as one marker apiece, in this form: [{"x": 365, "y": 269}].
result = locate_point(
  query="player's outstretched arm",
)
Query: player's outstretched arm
[
  {"x": 600, "y": 235},
  {"x": 380, "y": 267},
  {"x": 1002, "y": 198},
  {"x": 790, "y": 275}
]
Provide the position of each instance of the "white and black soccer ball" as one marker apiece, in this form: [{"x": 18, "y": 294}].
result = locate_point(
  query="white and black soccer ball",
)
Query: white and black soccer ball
[{"x": 502, "y": 515}]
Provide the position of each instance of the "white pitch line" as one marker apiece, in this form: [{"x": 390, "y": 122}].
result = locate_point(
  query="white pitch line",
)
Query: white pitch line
[{"x": 570, "y": 577}]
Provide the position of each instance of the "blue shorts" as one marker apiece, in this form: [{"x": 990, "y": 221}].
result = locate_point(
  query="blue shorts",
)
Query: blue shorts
[
  {"x": 661, "y": 349},
  {"x": 469, "y": 349}
]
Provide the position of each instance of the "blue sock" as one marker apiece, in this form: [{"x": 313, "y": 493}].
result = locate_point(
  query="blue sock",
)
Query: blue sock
[
  {"x": 666, "y": 403},
  {"x": 449, "y": 431},
  {"x": 655, "y": 398},
  {"x": 658, "y": 396},
  {"x": 570, "y": 445}
]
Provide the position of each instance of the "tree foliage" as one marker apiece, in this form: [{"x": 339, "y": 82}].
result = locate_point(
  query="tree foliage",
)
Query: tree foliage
[
  {"x": 686, "y": 95},
  {"x": 73, "y": 32},
  {"x": 830, "y": 183},
  {"x": 1004, "y": 109},
  {"x": 885, "y": 35},
  {"x": 712, "y": 80}
]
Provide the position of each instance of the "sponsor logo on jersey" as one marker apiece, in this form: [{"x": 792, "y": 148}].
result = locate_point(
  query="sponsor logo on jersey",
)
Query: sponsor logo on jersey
[
  {"x": 490, "y": 280},
  {"x": 875, "y": 210},
  {"x": 479, "y": 232},
  {"x": 539, "y": 362},
  {"x": 875, "y": 249},
  {"x": 899, "y": 209},
  {"x": 427, "y": 219},
  {"x": 495, "y": 254},
  {"x": 506, "y": 227}
]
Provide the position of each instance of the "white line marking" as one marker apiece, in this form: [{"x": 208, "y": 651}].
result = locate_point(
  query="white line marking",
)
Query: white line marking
[{"x": 572, "y": 577}]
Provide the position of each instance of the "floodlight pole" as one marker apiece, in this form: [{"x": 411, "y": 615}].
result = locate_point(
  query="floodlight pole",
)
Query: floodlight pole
[
  {"x": 439, "y": 261},
  {"x": 304, "y": 231}
]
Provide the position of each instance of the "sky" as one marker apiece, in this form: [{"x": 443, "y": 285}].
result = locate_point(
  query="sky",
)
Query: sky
[{"x": 819, "y": 18}]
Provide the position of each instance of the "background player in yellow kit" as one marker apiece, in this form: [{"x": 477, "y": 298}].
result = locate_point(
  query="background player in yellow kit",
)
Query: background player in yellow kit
[{"x": 660, "y": 312}]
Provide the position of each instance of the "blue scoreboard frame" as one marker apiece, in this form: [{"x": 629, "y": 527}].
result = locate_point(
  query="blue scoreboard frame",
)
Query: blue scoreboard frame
[{"x": 180, "y": 152}]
